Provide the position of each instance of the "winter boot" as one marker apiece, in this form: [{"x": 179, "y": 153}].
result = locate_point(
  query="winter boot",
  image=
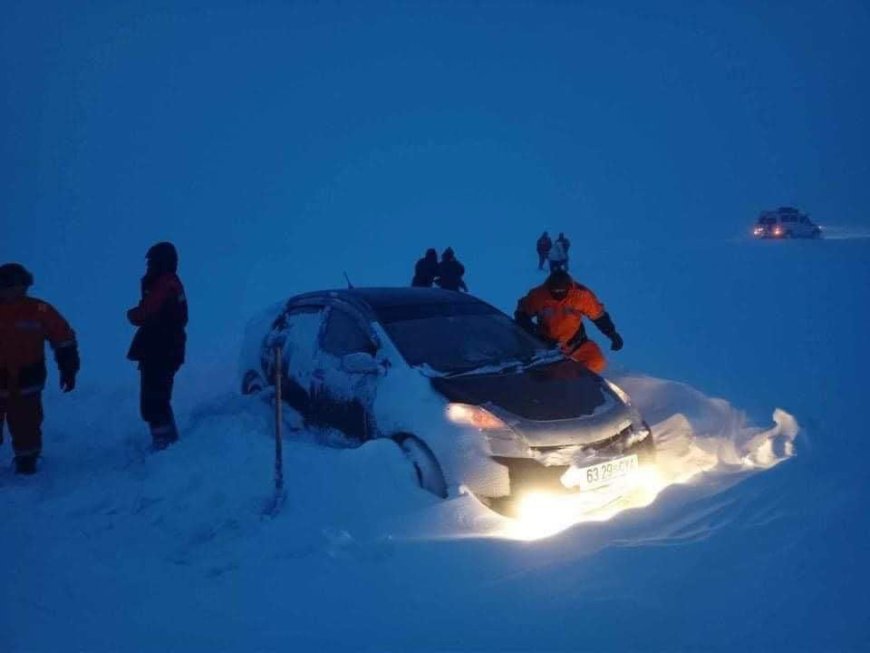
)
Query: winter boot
[
  {"x": 164, "y": 435},
  {"x": 25, "y": 464}
]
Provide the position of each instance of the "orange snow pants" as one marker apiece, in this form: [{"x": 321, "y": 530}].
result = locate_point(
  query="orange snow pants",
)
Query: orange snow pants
[{"x": 590, "y": 355}]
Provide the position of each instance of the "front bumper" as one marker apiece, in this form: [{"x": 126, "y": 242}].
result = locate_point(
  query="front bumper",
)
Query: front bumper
[{"x": 535, "y": 474}]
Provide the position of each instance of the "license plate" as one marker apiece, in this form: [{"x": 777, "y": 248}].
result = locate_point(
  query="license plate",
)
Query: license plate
[{"x": 595, "y": 476}]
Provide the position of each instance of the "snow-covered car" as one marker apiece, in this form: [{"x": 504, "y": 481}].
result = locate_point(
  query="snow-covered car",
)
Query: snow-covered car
[
  {"x": 472, "y": 399},
  {"x": 785, "y": 222}
]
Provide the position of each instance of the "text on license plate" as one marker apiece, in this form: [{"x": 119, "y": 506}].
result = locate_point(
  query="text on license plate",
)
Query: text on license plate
[{"x": 588, "y": 478}]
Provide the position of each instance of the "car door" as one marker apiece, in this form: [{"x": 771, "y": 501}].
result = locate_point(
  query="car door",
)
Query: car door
[
  {"x": 349, "y": 373},
  {"x": 295, "y": 331}
]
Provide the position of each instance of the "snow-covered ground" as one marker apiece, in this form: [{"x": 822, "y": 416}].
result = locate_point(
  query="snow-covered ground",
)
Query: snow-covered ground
[{"x": 748, "y": 358}]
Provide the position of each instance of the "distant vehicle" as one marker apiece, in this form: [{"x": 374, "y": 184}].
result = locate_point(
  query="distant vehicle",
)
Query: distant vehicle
[
  {"x": 472, "y": 399},
  {"x": 785, "y": 222}
]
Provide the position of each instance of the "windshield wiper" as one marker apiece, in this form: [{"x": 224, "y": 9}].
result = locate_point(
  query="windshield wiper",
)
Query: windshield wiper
[
  {"x": 544, "y": 357},
  {"x": 541, "y": 358},
  {"x": 489, "y": 368}
]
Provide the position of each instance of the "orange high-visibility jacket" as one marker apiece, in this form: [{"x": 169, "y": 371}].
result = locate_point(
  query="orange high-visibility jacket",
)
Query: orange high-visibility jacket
[
  {"x": 560, "y": 320},
  {"x": 25, "y": 326}
]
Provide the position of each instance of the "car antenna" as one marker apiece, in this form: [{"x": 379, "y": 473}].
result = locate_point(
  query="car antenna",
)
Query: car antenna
[{"x": 349, "y": 284}]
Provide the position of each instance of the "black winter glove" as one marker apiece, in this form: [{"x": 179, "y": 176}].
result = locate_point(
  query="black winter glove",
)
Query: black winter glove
[
  {"x": 525, "y": 322},
  {"x": 68, "y": 365},
  {"x": 615, "y": 341},
  {"x": 605, "y": 325}
]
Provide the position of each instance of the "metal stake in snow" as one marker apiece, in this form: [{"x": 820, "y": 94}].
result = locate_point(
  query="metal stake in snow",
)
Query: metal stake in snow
[{"x": 278, "y": 499}]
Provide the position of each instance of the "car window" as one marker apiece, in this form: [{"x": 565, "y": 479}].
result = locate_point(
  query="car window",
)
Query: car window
[
  {"x": 766, "y": 220},
  {"x": 344, "y": 335},
  {"x": 460, "y": 342},
  {"x": 295, "y": 331}
]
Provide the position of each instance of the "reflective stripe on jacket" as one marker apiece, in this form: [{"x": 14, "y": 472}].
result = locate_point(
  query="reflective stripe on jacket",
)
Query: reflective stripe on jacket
[{"x": 26, "y": 324}]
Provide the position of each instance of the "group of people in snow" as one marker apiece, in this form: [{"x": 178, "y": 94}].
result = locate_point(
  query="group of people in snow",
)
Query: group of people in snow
[
  {"x": 553, "y": 311},
  {"x": 28, "y": 323},
  {"x": 554, "y": 252},
  {"x": 447, "y": 273}
]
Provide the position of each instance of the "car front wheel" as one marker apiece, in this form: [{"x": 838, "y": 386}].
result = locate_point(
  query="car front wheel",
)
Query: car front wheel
[{"x": 426, "y": 467}]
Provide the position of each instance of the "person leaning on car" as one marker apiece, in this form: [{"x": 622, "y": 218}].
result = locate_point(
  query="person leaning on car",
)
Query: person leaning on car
[
  {"x": 26, "y": 323},
  {"x": 559, "y": 306}
]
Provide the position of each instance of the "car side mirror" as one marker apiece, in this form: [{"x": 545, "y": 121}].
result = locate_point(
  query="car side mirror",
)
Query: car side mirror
[{"x": 361, "y": 362}]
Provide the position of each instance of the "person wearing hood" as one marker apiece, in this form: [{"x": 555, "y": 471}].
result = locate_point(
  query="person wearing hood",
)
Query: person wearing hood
[
  {"x": 555, "y": 310},
  {"x": 26, "y": 324},
  {"x": 426, "y": 270},
  {"x": 558, "y": 256},
  {"x": 450, "y": 272},
  {"x": 159, "y": 343}
]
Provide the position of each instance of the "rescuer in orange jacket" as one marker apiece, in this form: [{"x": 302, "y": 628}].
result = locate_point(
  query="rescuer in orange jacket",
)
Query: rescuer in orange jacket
[
  {"x": 26, "y": 324},
  {"x": 159, "y": 344},
  {"x": 559, "y": 306}
]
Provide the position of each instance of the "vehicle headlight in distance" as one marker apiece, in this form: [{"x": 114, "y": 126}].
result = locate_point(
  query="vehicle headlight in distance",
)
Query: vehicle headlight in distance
[
  {"x": 622, "y": 394},
  {"x": 475, "y": 416}
]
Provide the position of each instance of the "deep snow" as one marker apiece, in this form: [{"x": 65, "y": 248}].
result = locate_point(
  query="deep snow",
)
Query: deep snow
[{"x": 113, "y": 548}]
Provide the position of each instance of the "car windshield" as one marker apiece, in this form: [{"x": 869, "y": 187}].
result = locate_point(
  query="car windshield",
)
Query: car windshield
[
  {"x": 766, "y": 220},
  {"x": 458, "y": 338}
]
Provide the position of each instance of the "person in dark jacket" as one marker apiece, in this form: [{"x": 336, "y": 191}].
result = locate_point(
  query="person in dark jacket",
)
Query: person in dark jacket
[
  {"x": 543, "y": 246},
  {"x": 26, "y": 324},
  {"x": 450, "y": 272},
  {"x": 426, "y": 270},
  {"x": 159, "y": 344}
]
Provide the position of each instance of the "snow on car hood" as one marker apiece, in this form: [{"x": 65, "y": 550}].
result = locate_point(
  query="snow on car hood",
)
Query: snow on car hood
[{"x": 561, "y": 391}]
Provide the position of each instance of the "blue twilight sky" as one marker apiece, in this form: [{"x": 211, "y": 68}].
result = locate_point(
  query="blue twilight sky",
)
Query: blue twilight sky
[{"x": 290, "y": 141}]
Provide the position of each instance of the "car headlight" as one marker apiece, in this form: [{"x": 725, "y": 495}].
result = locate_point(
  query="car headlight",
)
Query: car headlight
[
  {"x": 619, "y": 392},
  {"x": 475, "y": 416}
]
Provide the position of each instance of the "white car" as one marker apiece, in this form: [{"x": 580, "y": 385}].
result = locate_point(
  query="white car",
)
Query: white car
[
  {"x": 785, "y": 222},
  {"x": 472, "y": 399}
]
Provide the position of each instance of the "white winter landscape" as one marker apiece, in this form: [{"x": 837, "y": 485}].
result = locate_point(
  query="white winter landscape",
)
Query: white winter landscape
[
  {"x": 755, "y": 537},
  {"x": 286, "y": 147}
]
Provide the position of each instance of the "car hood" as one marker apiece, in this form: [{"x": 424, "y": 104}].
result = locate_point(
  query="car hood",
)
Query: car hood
[
  {"x": 564, "y": 390},
  {"x": 551, "y": 405}
]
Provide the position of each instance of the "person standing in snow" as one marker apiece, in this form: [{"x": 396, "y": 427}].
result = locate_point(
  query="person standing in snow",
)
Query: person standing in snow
[
  {"x": 450, "y": 272},
  {"x": 558, "y": 257},
  {"x": 544, "y": 245},
  {"x": 26, "y": 324},
  {"x": 566, "y": 246},
  {"x": 559, "y": 306},
  {"x": 426, "y": 270},
  {"x": 159, "y": 343}
]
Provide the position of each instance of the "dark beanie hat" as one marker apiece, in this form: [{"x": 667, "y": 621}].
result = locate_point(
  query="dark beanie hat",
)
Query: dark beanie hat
[
  {"x": 15, "y": 274},
  {"x": 162, "y": 257}
]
